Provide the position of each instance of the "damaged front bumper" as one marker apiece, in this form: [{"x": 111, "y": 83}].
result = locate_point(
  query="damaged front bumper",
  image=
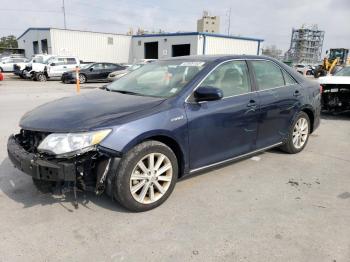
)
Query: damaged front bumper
[{"x": 91, "y": 171}]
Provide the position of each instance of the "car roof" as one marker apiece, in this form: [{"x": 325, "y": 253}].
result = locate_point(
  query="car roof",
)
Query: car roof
[{"x": 212, "y": 58}]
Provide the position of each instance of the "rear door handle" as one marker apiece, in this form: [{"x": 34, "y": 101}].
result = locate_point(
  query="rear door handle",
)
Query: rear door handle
[
  {"x": 297, "y": 93},
  {"x": 252, "y": 103}
]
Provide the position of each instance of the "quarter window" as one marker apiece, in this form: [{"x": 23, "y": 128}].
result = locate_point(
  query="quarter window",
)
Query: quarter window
[
  {"x": 231, "y": 77},
  {"x": 267, "y": 75},
  {"x": 288, "y": 79}
]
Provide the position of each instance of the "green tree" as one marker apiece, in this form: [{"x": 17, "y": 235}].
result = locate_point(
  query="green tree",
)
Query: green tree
[{"x": 8, "y": 42}]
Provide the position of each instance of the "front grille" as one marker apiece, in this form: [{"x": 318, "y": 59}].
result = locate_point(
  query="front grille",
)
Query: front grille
[{"x": 30, "y": 140}]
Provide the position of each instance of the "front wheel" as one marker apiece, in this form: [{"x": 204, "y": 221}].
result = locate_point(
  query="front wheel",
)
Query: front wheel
[
  {"x": 41, "y": 77},
  {"x": 146, "y": 176},
  {"x": 298, "y": 134},
  {"x": 82, "y": 78}
]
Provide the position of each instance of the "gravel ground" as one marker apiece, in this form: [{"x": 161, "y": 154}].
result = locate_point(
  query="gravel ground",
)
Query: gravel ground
[{"x": 271, "y": 207}]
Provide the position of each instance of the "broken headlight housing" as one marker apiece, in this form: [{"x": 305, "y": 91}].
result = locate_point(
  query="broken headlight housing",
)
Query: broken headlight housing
[{"x": 71, "y": 143}]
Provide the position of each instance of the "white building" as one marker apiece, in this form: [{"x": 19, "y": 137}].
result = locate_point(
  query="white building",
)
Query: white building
[
  {"x": 88, "y": 46},
  {"x": 196, "y": 43},
  {"x": 104, "y": 47}
]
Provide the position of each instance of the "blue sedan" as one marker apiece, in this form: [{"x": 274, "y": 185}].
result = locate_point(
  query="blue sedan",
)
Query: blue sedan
[{"x": 137, "y": 136}]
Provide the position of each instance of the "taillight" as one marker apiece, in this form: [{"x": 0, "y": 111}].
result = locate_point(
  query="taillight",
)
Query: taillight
[{"x": 321, "y": 89}]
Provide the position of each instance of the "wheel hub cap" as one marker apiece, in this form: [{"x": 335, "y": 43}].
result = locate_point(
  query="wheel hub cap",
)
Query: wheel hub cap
[
  {"x": 300, "y": 133},
  {"x": 151, "y": 178}
]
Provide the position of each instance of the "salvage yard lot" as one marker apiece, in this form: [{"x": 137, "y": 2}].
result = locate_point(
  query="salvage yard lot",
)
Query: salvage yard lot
[{"x": 272, "y": 207}]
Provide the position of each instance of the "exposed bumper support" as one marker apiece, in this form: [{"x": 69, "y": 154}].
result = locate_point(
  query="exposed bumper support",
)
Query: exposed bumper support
[{"x": 39, "y": 168}]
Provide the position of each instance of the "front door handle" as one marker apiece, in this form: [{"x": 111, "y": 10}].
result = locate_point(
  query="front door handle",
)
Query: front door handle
[{"x": 252, "y": 103}]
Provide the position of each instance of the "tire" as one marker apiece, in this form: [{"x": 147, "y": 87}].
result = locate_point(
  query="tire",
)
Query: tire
[
  {"x": 41, "y": 77},
  {"x": 320, "y": 72},
  {"x": 298, "y": 132},
  {"x": 82, "y": 78},
  {"x": 125, "y": 186},
  {"x": 43, "y": 186}
]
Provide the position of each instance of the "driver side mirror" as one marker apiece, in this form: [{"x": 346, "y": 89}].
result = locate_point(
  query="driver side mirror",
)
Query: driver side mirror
[
  {"x": 207, "y": 93},
  {"x": 52, "y": 64},
  {"x": 91, "y": 69}
]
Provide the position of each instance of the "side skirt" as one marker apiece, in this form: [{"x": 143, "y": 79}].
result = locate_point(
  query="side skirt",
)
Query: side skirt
[{"x": 234, "y": 158}]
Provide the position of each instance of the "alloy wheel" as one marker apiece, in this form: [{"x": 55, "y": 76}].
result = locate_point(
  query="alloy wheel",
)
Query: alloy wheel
[
  {"x": 82, "y": 79},
  {"x": 300, "y": 133},
  {"x": 151, "y": 178}
]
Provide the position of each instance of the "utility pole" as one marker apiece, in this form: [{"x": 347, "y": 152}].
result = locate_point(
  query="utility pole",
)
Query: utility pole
[
  {"x": 229, "y": 21},
  {"x": 64, "y": 14}
]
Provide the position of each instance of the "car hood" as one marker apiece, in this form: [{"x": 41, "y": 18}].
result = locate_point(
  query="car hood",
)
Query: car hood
[
  {"x": 83, "y": 112},
  {"x": 339, "y": 80}
]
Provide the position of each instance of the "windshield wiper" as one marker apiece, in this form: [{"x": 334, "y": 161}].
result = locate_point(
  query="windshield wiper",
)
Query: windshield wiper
[{"x": 125, "y": 92}]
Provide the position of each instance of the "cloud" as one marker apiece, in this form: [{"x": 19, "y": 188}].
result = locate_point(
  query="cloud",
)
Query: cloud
[{"x": 271, "y": 20}]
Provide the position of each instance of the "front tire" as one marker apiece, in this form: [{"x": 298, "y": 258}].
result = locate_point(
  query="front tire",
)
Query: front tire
[
  {"x": 41, "y": 77},
  {"x": 146, "y": 176},
  {"x": 298, "y": 134},
  {"x": 82, "y": 78}
]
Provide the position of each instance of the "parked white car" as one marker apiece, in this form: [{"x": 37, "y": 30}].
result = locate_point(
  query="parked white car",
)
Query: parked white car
[
  {"x": 6, "y": 65},
  {"x": 336, "y": 91},
  {"x": 54, "y": 67},
  {"x": 23, "y": 68}
]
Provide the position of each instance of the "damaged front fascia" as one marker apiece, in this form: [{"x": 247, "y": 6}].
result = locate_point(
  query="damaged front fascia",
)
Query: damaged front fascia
[
  {"x": 92, "y": 164},
  {"x": 336, "y": 97}
]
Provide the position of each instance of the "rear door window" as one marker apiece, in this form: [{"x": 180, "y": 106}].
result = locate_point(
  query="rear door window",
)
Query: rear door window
[
  {"x": 267, "y": 74},
  {"x": 231, "y": 77},
  {"x": 71, "y": 61}
]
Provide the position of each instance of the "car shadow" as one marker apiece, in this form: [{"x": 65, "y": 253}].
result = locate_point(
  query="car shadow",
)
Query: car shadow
[
  {"x": 19, "y": 187},
  {"x": 336, "y": 116}
]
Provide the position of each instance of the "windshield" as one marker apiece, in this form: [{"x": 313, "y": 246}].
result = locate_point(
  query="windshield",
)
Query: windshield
[
  {"x": 38, "y": 59},
  {"x": 84, "y": 66},
  {"x": 344, "y": 72},
  {"x": 160, "y": 79},
  {"x": 49, "y": 60},
  {"x": 334, "y": 53}
]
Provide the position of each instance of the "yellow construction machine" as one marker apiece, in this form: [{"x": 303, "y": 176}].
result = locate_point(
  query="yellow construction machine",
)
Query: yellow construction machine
[{"x": 337, "y": 57}]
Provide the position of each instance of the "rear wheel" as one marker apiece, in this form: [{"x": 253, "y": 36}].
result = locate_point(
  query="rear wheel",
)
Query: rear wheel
[
  {"x": 320, "y": 72},
  {"x": 146, "y": 176},
  {"x": 298, "y": 135}
]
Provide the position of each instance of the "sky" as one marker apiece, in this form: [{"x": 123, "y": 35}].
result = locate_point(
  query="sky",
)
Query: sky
[{"x": 271, "y": 20}]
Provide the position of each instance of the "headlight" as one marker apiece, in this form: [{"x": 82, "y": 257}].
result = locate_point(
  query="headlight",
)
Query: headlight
[
  {"x": 72, "y": 142},
  {"x": 112, "y": 75}
]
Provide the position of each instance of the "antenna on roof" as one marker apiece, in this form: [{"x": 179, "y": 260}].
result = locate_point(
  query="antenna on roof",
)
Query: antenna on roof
[{"x": 64, "y": 14}]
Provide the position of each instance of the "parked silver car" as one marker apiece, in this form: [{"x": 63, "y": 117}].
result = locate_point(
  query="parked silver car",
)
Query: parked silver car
[
  {"x": 6, "y": 65},
  {"x": 118, "y": 74}
]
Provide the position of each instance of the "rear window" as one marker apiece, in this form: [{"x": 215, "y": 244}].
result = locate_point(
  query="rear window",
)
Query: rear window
[{"x": 267, "y": 75}]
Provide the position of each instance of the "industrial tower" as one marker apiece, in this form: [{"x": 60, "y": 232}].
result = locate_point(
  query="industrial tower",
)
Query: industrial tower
[{"x": 306, "y": 45}]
